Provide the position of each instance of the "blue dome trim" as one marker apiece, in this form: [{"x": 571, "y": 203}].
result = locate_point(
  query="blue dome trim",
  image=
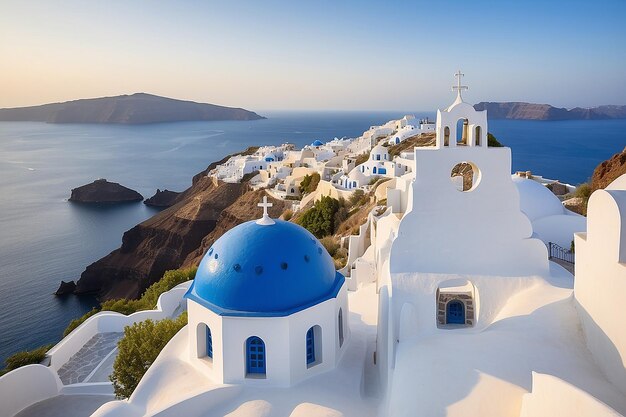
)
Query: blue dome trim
[
  {"x": 265, "y": 271},
  {"x": 192, "y": 295}
]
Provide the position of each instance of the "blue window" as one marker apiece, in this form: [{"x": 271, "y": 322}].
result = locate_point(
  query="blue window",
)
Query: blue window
[
  {"x": 353, "y": 184},
  {"x": 209, "y": 343},
  {"x": 255, "y": 356},
  {"x": 455, "y": 312},
  {"x": 310, "y": 346},
  {"x": 397, "y": 140},
  {"x": 378, "y": 157},
  {"x": 374, "y": 170},
  {"x": 382, "y": 170},
  {"x": 340, "y": 325}
]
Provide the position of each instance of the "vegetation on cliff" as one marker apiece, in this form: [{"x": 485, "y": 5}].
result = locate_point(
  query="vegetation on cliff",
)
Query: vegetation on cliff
[
  {"x": 27, "y": 357},
  {"x": 309, "y": 183},
  {"x": 137, "y": 350}
]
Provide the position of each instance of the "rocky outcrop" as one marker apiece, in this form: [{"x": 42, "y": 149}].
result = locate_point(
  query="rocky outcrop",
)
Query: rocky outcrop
[
  {"x": 103, "y": 191},
  {"x": 609, "y": 170},
  {"x": 127, "y": 109},
  {"x": 165, "y": 198},
  {"x": 532, "y": 111},
  {"x": 66, "y": 288}
]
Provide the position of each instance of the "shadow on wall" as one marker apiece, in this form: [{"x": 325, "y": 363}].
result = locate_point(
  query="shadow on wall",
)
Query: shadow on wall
[{"x": 610, "y": 354}]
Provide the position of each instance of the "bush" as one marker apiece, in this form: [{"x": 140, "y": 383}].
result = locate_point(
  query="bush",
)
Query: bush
[
  {"x": 137, "y": 350},
  {"x": 493, "y": 142},
  {"x": 357, "y": 198},
  {"x": 330, "y": 244},
  {"x": 309, "y": 183},
  {"x": 287, "y": 215},
  {"x": 583, "y": 191},
  {"x": 147, "y": 301},
  {"x": 320, "y": 219},
  {"x": 27, "y": 357}
]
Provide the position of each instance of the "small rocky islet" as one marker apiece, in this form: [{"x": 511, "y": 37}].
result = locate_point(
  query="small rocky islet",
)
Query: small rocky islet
[{"x": 102, "y": 191}]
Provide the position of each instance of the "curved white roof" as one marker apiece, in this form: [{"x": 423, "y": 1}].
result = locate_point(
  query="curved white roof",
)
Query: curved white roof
[
  {"x": 379, "y": 149},
  {"x": 536, "y": 201},
  {"x": 357, "y": 175}
]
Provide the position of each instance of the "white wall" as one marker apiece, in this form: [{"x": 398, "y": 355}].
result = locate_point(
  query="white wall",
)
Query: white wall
[
  {"x": 26, "y": 386},
  {"x": 284, "y": 338},
  {"x": 600, "y": 283},
  {"x": 553, "y": 397},
  {"x": 108, "y": 321},
  {"x": 481, "y": 231}
]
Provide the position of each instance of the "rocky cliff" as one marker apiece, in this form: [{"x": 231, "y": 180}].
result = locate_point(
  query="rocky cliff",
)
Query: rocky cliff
[
  {"x": 609, "y": 170},
  {"x": 103, "y": 191},
  {"x": 531, "y": 111},
  {"x": 127, "y": 109}
]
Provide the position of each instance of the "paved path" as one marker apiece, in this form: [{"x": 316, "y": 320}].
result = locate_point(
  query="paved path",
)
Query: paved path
[
  {"x": 66, "y": 406},
  {"x": 88, "y": 360}
]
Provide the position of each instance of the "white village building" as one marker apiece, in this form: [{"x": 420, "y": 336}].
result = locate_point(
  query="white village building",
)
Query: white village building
[{"x": 449, "y": 306}]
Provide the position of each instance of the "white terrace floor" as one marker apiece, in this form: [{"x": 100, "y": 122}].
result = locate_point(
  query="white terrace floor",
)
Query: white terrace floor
[{"x": 93, "y": 362}]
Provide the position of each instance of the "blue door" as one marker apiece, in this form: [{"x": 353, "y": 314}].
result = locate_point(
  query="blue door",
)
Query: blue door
[
  {"x": 382, "y": 170},
  {"x": 255, "y": 355},
  {"x": 455, "y": 313},
  {"x": 310, "y": 347}
]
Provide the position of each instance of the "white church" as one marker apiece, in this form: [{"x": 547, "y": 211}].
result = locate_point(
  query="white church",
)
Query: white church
[{"x": 461, "y": 314}]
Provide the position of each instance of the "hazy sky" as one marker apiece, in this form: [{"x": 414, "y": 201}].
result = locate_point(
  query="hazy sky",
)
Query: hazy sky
[{"x": 354, "y": 55}]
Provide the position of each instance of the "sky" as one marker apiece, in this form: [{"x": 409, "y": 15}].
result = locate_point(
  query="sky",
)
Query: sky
[{"x": 314, "y": 55}]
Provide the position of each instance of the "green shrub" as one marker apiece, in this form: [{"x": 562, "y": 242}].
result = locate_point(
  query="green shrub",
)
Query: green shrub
[
  {"x": 493, "y": 142},
  {"x": 147, "y": 301},
  {"x": 358, "y": 198},
  {"x": 309, "y": 183},
  {"x": 27, "y": 357},
  {"x": 137, "y": 350},
  {"x": 330, "y": 244},
  {"x": 287, "y": 215},
  {"x": 320, "y": 219},
  {"x": 583, "y": 191}
]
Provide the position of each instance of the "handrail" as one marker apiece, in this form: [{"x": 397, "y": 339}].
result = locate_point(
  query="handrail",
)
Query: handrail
[{"x": 558, "y": 252}]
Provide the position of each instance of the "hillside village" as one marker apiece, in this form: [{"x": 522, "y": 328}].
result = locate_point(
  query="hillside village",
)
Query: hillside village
[{"x": 455, "y": 295}]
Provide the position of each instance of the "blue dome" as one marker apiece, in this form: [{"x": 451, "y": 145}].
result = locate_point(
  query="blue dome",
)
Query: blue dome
[
  {"x": 317, "y": 142},
  {"x": 265, "y": 270}
]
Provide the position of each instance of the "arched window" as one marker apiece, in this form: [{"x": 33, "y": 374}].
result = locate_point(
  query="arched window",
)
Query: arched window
[
  {"x": 461, "y": 131},
  {"x": 209, "y": 343},
  {"x": 353, "y": 184},
  {"x": 255, "y": 356},
  {"x": 310, "y": 346},
  {"x": 446, "y": 136},
  {"x": 374, "y": 170},
  {"x": 313, "y": 346},
  {"x": 340, "y": 326},
  {"x": 455, "y": 312},
  {"x": 293, "y": 191},
  {"x": 477, "y": 133},
  {"x": 397, "y": 140}
]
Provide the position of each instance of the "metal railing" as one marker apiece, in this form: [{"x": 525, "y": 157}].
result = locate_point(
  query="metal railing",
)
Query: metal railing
[{"x": 558, "y": 252}]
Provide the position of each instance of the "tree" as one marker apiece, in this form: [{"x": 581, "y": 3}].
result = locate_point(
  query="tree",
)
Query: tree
[
  {"x": 493, "y": 142},
  {"x": 309, "y": 183},
  {"x": 320, "y": 219},
  {"x": 137, "y": 350}
]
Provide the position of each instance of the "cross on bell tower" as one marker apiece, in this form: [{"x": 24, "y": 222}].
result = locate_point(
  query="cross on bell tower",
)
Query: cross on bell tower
[
  {"x": 458, "y": 87},
  {"x": 266, "y": 220}
]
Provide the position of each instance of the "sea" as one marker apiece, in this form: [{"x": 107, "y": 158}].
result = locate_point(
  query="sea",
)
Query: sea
[{"x": 45, "y": 239}]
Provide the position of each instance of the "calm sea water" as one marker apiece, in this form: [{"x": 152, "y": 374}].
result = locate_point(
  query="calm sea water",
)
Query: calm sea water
[{"x": 44, "y": 238}]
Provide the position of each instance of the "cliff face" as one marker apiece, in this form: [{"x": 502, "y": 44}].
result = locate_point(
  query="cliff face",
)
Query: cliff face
[
  {"x": 127, "y": 109},
  {"x": 531, "y": 111},
  {"x": 176, "y": 237},
  {"x": 609, "y": 170},
  {"x": 160, "y": 243},
  {"x": 102, "y": 191}
]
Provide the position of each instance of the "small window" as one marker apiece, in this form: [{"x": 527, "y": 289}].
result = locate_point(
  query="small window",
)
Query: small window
[
  {"x": 446, "y": 136},
  {"x": 209, "y": 343},
  {"x": 310, "y": 346}
]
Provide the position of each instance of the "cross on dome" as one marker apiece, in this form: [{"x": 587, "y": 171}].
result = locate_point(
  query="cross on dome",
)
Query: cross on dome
[
  {"x": 458, "y": 87},
  {"x": 266, "y": 220}
]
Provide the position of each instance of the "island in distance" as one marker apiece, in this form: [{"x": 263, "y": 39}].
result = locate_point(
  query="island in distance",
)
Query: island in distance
[
  {"x": 102, "y": 191},
  {"x": 138, "y": 108},
  {"x": 532, "y": 111}
]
